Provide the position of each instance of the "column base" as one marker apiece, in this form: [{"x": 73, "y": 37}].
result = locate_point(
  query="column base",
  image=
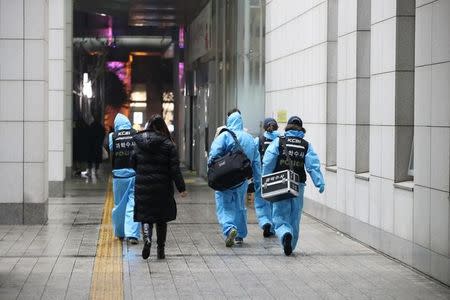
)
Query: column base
[
  {"x": 35, "y": 213},
  {"x": 11, "y": 213},
  {"x": 23, "y": 213},
  {"x": 68, "y": 172},
  {"x": 56, "y": 189}
]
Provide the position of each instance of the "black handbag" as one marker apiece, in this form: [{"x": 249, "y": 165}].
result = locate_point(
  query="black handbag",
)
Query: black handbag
[{"x": 230, "y": 170}]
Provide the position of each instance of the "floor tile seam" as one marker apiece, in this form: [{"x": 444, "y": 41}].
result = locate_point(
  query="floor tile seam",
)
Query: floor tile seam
[
  {"x": 28, "y": 275},
  {"x": 71, "y": 273},
  {"x": 218, "y": 285},
  {"x": 223, "y": 262},
  {"x": 12, "y": 244},
  {"x": 149, "y": 275},
  {"x": 340, "y": 276},
  {"x": 34, "y": 238},
  {"x": 365, "y": 278},
  {"x": 243, "y": 287},
  {"x": 170, "y": 270},
  {"x": 176, "y": 276},
  {"x": 402, "y": 267},
  {"x": 292, "y": 269},
  {"x": 256, "y": 276},
  {"x": 48, "y": 278},
  {"x": 6, "y": 233},
  {"x": 352, "y": 258},
  {"x": 286, "y": 283},
  {"x": 382, "y": 254},
  {"x": 15, "y": 264}
]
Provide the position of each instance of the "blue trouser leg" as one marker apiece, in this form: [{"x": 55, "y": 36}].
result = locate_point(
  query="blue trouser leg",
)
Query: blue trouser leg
[
  {"x": 231, "y": 211},
  {"x": 225, "y": 210},
  {"x": 123, "y": 211},
  {"x": 297, "y": 215},
  {"x": 132, "y": 229},
  {"x": 241, "y": 210},
  {"x": 282, "y": 218},
  {"x": 286, "y": 217},
  {"x": 118, "y": 211},
  {"x": 263, "y": 210}
]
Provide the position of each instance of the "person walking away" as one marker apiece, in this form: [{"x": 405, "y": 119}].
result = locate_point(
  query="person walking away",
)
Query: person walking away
[
  {"x": 157, "y": 166},
  {"x": 121, "y": 146},
  {"x": 263, "y": 208},
  {"x": 230, "y": 204},
  {"x": 287, "y": 213},
  {"x": 96, "y": 134}
]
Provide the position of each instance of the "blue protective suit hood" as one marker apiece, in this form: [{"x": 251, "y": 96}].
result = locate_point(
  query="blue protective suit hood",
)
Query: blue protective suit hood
[
  {"x": 295, "y": 133},
  {"x": 121, "y": 122},
  {"x": 271, "y": 135},
  {"x": 234, "y": 122}
]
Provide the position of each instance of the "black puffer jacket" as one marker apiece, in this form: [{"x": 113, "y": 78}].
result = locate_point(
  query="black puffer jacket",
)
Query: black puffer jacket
[{"x": 157, "y": 166}]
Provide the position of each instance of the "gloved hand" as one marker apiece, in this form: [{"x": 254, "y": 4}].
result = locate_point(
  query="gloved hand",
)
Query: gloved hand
[{"x": 321, "y": 188}]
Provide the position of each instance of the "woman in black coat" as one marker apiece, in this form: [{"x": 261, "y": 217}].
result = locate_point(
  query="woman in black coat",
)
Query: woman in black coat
[{"x": 157, "y": 166}]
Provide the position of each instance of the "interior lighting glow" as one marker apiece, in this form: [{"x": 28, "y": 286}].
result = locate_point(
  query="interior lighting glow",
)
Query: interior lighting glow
[
  {"x": 139, "y": 96},
  {"x": 87, "y": 86},
  {"x": 138, "y": 104},
  {"x": 138, "y": 117}
]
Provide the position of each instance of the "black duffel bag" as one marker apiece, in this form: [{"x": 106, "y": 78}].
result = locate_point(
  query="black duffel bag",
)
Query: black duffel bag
[{"x": 230, "y": 170}]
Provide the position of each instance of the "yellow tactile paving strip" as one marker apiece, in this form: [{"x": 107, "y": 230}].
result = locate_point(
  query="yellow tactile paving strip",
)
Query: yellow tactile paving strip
[{"x": 107, "y": 279}]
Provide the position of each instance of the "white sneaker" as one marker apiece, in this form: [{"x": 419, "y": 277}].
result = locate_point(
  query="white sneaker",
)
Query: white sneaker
[{"x": 86, "y": 173}]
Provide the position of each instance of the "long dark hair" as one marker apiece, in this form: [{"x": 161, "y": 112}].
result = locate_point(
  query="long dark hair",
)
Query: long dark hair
[{"x": 157, "y": 124}]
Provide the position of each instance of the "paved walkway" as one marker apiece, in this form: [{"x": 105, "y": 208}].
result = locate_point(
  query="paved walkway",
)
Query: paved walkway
[{"x": 57, "y": 261}]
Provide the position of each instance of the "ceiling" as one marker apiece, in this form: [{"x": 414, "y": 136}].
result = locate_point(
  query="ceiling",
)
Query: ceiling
[{"x": 150, "y": 14}]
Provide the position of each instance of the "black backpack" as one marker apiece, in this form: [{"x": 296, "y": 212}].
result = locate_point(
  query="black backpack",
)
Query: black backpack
[{"x": 230, "y": 170}]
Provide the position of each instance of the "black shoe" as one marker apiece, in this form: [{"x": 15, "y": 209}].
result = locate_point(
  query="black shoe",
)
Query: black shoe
[
  {"x": 287, "y": 246},
  {"x": 161, "y": 253},
  {"x": 266, "y": 230},
  {"x": 147, "y": 237},
  {"x": 146, "y": 250},
  {"x": 133, "y": 241}
]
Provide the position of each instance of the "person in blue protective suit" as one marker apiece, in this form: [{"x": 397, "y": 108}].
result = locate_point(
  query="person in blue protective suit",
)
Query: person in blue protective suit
[
  {"x": 287, "y": 213},
  {"x": 121, "y": 146},
  {"x": 263, "y": 208},
  {"x": 230, "y": 204}
]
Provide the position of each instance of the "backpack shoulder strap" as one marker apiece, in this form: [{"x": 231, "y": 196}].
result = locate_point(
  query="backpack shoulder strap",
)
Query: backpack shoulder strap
[{"x": 262, "y": 139}]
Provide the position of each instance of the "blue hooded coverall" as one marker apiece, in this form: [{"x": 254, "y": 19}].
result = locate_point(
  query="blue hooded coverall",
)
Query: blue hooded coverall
[
  {"x": 263, "y": 208},
  {"x": 230, "y": 204},
  {"x": 286, "y": 214},
  {"x": 123, "y": 188}
]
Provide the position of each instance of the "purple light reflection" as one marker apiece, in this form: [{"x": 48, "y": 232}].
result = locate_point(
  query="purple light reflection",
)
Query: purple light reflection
[
  {"x": 181, "y": 37},
  {"x": 118, "y": 67},
  {"x": 107, "y": 32}
]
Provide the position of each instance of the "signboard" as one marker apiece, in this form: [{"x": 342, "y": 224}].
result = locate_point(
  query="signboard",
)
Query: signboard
[
  {"x": 282, "y": 116},
  {"x": 200, "y": 34}
]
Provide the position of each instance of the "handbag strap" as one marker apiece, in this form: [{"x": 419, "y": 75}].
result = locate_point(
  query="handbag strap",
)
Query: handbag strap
[
  {"x": 234, "y": 138},
  {"x": 288, "y": 157}
]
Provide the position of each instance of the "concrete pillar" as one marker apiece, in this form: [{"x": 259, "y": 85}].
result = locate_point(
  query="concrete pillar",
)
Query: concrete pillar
[
  {"x": 56, "y": 63},
  {"x": 432, "y": 139},
  {"x": 353, "y": 105},
  {"x": 23, "y": 111},
  {"x": 391, "y": 112},
  {"x": 68, "y": 87}
]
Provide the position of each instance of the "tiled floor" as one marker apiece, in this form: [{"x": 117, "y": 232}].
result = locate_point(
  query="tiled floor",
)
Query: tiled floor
[{"x": 55, "y": 261}]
